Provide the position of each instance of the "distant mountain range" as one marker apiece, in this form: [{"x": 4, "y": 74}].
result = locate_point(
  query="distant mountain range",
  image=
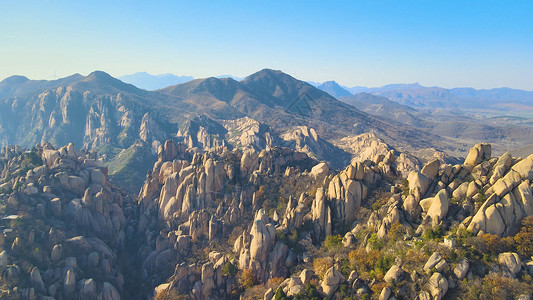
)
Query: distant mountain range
[
  {"x": 418, "y": 96},
  {"x": 150, "y": 82},
  {"x": 334, "y": 89},
  {"x": 126, "y": 123},
  {"x": 266, "y": 109},
  {"x": 413, "y": 95}
]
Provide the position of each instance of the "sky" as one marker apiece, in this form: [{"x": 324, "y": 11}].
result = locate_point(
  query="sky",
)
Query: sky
[{"x": 481, "y": 44}]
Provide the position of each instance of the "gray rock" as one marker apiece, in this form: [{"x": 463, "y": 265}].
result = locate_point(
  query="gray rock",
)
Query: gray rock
[
  {"x": 511, "y": 261},
  {"x": 109, "y": 292},
  {"x": 385, "y": 294},
  {"x": 306, "y": 275},
  {"x": 439, "y": 206},
  {"x": 269, "y": 294},
  {"x": 433, "y": 260},
  {"x": 438, "y": 285},
  {"x": 393, "y": 275},
  {"x": 353, "y": 276},
  {"x": 332, "y": 279},
  {"x": 92, "y": 259},
  {"x": 4, "y": 261},
  {"x": 461, "y": 269},
  {"x": 69, "y": 284},
  {"x": 479, "y": 153},
  {"x": 55, "y": 206},
  {"x": 71, "y": 262},
  {"x": 431, "y": 169},
  {"x": 57, "y": 252},
  {"x": 87, "y": 289},
  {"x": 36, "y": 280}
]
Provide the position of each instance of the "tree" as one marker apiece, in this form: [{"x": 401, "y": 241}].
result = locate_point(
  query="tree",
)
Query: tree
[
  {"x": 321, "y": 265},
  {"x": 524, "y": 238},
  {"x": 229, "y": 269},
  {"x": 248, "y": 278}
]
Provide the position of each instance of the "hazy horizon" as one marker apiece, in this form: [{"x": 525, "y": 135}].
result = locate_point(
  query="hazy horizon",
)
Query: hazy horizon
[{"x": 450, "y": 44}]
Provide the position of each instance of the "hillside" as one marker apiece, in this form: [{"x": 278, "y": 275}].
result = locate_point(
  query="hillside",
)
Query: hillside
[{"x": 99, "y": 112}]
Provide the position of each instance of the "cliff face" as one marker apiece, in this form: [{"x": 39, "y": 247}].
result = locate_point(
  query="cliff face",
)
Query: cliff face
[{"x": 64, "y": 225}]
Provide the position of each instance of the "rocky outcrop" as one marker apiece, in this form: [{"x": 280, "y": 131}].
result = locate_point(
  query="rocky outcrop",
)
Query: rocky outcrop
[
  {"x": 247, "y": 132},
  {"x": 393, "y": 275},
  {"x": 71, "y": 223},
  {"x": 478, "y": 154},
  {"x": 511, "y": 261},
  {"x": 509, "y": 201},
  {"x": 438, "y": 286},
  {"x": 369, "y": 147},
  {"x": 332, "y": 279},
  {"x": 150, "y": 131},
  {"x": 191, "y": 196}
]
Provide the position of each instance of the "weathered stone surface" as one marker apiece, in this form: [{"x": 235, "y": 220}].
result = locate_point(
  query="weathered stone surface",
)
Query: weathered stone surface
[
  {"x": 433, "y": 260},
  {"x": 438, "y": 285},
  {"x": 36, "y": 280},
  {"x": 506, "y": 183},
  {"x": 431, "y": 169},
  {"x": 87, "y": 289},
  {"x": 69, "y": 284},
  {"x": 4, "y": 261},
  {"x": 249, "y": 162},
  {"x": 511, "y": 261},
  {"x": 320, "y": 171},
  {"x": 439, "y": 206},
  {"x": 385, "y": 293},
  {"x": 524, "y": 168},
  {"x": 461, "y": 269},
  {"x": 55, "y": 206},
  {"x": 269, "y": 294},
  {"x": 493, "y": 221},
  {"x": 393, "y": 275},
  {"x": 525, "y": 197},
  {"x": 109, "y": 292},
  {"x": 263, "y": 236},
  {"x": 418, "y": 181},
  {"x": 306, "y": 275},
  {"x": 332, "y": 279},
  {"x": 477, "y": 154}
]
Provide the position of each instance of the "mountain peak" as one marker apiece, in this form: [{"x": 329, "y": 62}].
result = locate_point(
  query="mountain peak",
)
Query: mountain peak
[
  {"x": 15, "y": 79},
  {"x": 99, "y": 75},
  {"x": 334, "y": 89},
  {"x": 268, "y": 74},
  {"x": 101, "y": 80}
]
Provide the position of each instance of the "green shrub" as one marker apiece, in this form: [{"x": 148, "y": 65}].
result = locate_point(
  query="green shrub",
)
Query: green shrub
[
  {"x": 481, "y": 196},
  {"x": 229, "y": 269},
  {"x": 310, "y": 293},
  {"x": 405, "y": 187},
  {"x": 333, "y": 242},
  {"x": 432, "y": 234},
  {"x": 382, "y": 265},
  {"x": 280, "y": 295},
  {"x": 375, "y": 242},
  {"x": 291, "y": 240}
]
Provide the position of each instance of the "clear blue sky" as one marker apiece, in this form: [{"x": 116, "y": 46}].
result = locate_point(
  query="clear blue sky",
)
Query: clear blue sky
[{"x": 483, "y": 44}]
